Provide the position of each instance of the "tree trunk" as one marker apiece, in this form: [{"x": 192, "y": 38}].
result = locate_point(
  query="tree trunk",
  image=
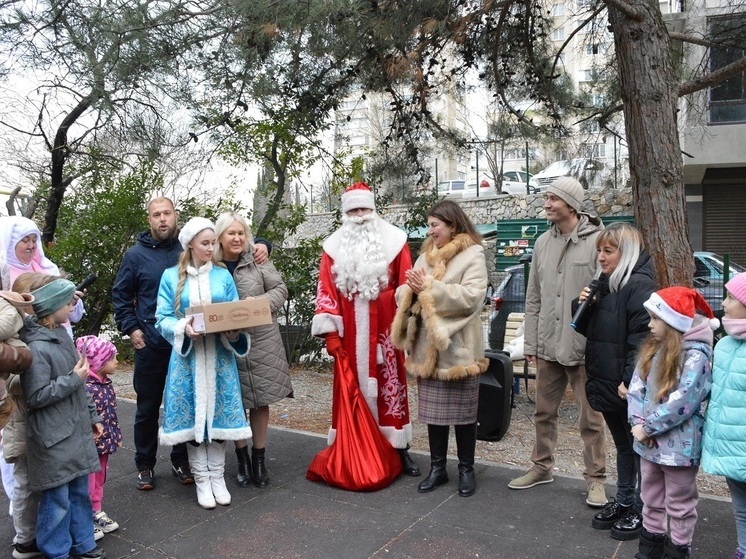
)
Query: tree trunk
[{"x": 650, "y": 96}]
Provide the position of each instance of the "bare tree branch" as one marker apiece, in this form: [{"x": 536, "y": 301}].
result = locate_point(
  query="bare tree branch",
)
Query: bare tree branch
[{"x": 713, "y": 79}]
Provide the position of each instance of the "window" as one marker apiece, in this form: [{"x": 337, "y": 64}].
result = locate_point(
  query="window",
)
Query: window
[
  {"x": 558, "y": 10},
  {"x": 558, "y": 34},
  {"x": 593, "y": 151},
  {"x": 597, "y": 99},
  {"x": 727, "y": 102},
  {"x": 588, "y": 76},
  {"x": 595, "y": 48}
]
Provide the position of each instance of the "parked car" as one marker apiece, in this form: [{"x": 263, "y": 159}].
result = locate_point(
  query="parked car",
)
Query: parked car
[
  {"x": 591, "y": 173},
  {"x": 708, "y": 277},
  {"x": 514, "y": 182},
  {"x": 452, "y": 188},
  {"x": 486, "y": 188},
  {"x": 510, "y": 295}
]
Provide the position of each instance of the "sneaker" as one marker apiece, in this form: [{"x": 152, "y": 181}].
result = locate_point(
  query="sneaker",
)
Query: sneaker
[
  {"x": 26, "y": 550},
  {"x": 183, "y": 473},
  {"x": 596, "y": 495},
  {"x": 102, "y": 520},
  {"x": 95, "y": 553},
  {"x": 98, "y": 533},
  {"x": 629, "y": 527},
  {"x": 612, "y": 512},
  {"x": 145, "y": 480},
  {"x": 530, "y": 479}
]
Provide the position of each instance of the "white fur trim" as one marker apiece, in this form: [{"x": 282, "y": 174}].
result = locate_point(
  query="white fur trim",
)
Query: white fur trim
[
  {"x": 175, "y": 437},
  {"x": 324, "y": 323},
  {"x": 192, "y": 228},
  {"x": 394, "y": 240},
  {"x": 231, "y": 434},
  {"x": 331, "y": 436},
  {"x": 358, "y": 198},
  {"x": 362, "y": 344},
  {"x": 180, "y": 337}
]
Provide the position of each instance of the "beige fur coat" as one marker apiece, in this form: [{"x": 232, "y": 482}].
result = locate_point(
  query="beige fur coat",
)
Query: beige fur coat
[{"x": 440, "y": 329}]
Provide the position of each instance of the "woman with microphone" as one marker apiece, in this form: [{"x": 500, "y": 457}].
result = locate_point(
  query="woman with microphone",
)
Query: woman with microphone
[{"x": 615, "y": 323}]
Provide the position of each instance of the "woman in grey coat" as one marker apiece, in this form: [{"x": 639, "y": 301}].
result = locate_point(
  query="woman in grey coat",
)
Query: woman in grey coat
[{"x": 264, "y": 374}]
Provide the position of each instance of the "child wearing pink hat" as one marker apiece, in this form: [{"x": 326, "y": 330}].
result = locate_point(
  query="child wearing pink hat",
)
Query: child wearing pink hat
[
  {"x": 102, "y": 361},
  {"x": 671, "y": 380},
  {"x": 724, "y": 449}
]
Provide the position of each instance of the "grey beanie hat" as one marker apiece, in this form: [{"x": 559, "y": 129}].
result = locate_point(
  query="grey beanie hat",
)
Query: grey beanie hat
[{"x": 570, "y": 190}]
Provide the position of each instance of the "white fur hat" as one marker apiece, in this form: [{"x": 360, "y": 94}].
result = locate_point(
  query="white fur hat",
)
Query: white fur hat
[
  {"x": 359, "y": 195},
  {"x": 192, "y": 228}
]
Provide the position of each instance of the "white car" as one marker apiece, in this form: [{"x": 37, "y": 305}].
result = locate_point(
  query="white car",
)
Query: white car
[
  {"x": 451, "y": 188},
  {"x": 591, "y": 173},
  {"x": 486, "y": 188},
  {"x": 514, "y": 182}
]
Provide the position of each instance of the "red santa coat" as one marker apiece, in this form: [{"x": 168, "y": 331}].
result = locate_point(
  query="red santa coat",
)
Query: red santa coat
[{"x": 365, "y": 329}]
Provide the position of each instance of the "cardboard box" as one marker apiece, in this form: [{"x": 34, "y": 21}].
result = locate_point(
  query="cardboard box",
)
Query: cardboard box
[{"x": 233, "y": 315}]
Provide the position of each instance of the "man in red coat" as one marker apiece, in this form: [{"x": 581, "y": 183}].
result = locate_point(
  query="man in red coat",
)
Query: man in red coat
[{"x": 362, "y": 265}]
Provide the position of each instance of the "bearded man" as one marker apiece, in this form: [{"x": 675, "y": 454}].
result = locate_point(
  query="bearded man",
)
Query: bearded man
[{"x": 363, "y": 263}]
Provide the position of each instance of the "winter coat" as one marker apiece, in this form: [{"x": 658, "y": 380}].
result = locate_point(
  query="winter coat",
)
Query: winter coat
[
  {"x": 59, "y": 436},
  {"x": 14, "y": 355},
  {"x": 560, "y": 269},
  {"x": 264, "y": 374},
  {"x": 441, "y": 328},
  {"x": 724, "y": 451},
  {"x": 136, "y": 286},
  {"x": 105, "y": 400},
  {"x": 14, "y": 433},
  {"x": 676, "y": 421},
  {"x": 202, "y": 398},
  {"x": 616, "y": 326}
]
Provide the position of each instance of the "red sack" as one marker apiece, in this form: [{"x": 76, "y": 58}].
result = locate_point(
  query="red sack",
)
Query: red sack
[{"x": 360, "y": 458}]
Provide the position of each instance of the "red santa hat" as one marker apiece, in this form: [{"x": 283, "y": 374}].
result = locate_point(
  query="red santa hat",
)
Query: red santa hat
[
  {"x": 359, "y": 195},
  {"x": 677, "y": 307}
]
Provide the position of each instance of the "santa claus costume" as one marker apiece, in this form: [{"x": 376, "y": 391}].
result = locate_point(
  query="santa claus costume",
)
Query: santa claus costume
[{"x": 362, "y": 265}]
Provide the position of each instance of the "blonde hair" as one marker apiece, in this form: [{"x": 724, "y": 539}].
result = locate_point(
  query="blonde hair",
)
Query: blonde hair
[
  {"x": 671, "y": 347},
  {"x": 628, "y": 241},
  {"x": 185, "y": 260},
  {"x": 223, "y": 223}
]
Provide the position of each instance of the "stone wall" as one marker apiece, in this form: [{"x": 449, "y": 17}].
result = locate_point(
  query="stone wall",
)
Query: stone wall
[{"x": 606, "y": 203}]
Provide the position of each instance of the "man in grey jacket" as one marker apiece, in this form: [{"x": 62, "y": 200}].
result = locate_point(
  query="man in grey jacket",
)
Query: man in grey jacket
[{"x": 564, "y": 262}]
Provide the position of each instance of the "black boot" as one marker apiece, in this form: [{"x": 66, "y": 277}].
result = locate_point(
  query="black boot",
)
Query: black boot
[
  {"x": 409, "y": 466},
  {"x": 673, "y": 551},
  {"x": 243, "y": 478},
  {"x": 438, "y": 437},
  {"x": 651, "y": 545},
  {"x": 466, "y": 441},
  {"x": 258, "y": 469},
  {"x": 628, "y": 527}
]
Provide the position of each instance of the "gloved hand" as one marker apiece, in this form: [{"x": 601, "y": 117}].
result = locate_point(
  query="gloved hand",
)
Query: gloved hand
[{"x": 333, "y": 343}]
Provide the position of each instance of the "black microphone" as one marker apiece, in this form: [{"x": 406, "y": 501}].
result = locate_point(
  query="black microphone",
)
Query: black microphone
[
  {"x": 89, "y": 279},
  {"x": 584, "y": 305}
]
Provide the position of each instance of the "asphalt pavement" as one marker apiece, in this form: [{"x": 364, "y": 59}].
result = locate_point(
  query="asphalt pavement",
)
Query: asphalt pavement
[{"x": 297, "y": 518}]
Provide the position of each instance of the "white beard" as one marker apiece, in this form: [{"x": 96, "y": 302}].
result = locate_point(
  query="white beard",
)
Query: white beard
[{"x": 360, "y": 267}]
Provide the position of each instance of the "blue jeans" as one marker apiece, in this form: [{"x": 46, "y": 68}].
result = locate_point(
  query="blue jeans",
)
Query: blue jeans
[
  {"x": 627, "y": 460},
  {"x": 65, "y": 522},
  {"x": 738, "y": 496},
  {"x": 149, "y": 381}
]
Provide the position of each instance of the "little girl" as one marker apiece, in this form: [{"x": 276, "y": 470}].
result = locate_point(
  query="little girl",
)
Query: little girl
[
  {"x": 724, "y": 450},
  {"x": 102, "y": 361},
  {"x": 60, "y": 446},
  {"x": 671, "y": 380}
]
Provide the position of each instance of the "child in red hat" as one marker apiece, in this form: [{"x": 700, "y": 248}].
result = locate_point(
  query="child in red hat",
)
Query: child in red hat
[{"x": 671, "y": 380}]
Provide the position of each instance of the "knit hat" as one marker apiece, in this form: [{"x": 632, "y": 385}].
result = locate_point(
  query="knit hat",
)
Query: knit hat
[
  {"x": 98, "y": 352},
  {"x": 359, "y": 195},
  {"x": 192, "y": 228},
  {"x": 570, "y": 190},
  {"x": 53, "y": 296},
  {"x": 677, "y": 306},
  {"x": 737, "y": 287}
]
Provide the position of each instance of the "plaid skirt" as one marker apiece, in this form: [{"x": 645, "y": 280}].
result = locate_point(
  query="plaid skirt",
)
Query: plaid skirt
[{"x": 448, "y": 402}]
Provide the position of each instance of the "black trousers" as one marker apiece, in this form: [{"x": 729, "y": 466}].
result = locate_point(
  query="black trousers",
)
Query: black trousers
[{"x": 149, "y": 381}]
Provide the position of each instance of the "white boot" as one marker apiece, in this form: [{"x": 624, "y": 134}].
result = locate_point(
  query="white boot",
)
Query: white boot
[
  {"x": 198, "y": 464},
  {"x": 216, "y": 466}
]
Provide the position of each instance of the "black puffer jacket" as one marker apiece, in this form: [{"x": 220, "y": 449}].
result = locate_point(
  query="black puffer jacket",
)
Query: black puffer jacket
[{"x": 617, "y": 325}]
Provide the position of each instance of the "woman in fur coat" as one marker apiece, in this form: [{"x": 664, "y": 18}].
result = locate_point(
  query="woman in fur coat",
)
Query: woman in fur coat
[
  {"x": 202, "y": 399},
  {"x": 438, "y": 324}
]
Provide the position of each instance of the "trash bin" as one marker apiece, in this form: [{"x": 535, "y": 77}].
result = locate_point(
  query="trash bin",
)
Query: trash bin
[{"x": 495, "y": 389}]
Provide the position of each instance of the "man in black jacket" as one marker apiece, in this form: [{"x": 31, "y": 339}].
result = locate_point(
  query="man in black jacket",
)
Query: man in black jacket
[{"x": 135, "y": 295}]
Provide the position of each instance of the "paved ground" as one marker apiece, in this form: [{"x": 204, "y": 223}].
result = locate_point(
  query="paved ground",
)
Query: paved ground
[{"x": 295, "y": 518}]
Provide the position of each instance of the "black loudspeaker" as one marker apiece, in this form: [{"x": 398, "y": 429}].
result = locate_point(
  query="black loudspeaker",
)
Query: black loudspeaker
[{"x": 495, "y": 388}]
